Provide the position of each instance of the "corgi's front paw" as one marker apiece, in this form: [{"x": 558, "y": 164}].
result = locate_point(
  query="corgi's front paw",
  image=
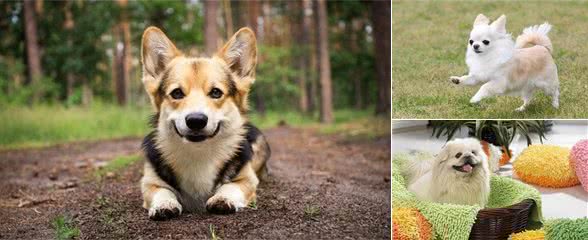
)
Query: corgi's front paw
[
  {"x": 165, "y": 210},
  {"x": 455, "y": 80},
  {"x": 219, "y": 204}
]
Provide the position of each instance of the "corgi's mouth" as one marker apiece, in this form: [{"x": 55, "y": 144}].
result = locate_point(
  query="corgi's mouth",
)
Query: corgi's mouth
[
  {"x": 465, "y": 168},
  {"x": 197, "y": 137}
]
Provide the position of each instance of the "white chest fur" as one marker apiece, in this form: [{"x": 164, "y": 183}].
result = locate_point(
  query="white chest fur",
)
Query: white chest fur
[{"x": 196, "y": 165}]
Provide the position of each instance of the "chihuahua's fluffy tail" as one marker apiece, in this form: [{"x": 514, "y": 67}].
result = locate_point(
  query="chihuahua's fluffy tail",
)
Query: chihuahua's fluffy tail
[{"x": 535, "y": 35}]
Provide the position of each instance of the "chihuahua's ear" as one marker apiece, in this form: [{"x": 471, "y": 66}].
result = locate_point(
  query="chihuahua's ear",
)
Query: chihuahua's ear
[
  {"x": 499, "y": 24},
  {"x": 481, "y": 20},
  {"x": 240, "y": 54},
  {"x": 156, "y": 52}
]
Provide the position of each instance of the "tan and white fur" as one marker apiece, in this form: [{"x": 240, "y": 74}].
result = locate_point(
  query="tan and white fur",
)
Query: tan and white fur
[
  {"x": 202, "y": 154},
  {"x": 459, "y": 174},
  {"x": 508, "y": 68}
]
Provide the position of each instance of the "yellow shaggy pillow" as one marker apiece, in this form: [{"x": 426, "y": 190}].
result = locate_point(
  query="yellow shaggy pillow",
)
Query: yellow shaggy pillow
[
  {"x": 528, "y": 235},
  {"x": 546, "y": 166}
]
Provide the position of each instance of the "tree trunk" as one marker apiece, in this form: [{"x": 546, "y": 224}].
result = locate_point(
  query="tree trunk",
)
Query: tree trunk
[
  {"x": 210, "y": 27},
  {"x": 325, "y": 64},
  {"x": 87, "y": 94},
  {"x": 313, "y": 101},
  {"x": 68, "y": 25},
  {"x": 123, "y": 56},
  {"x": 356, "y": 28},
  {"x": 33, "y": 54},
  {"x": 228, "y": 18},
  {"x": 253, "y": 10},
  {"x": 381, "y": 22},
  {"x": 303, "y": 25}
]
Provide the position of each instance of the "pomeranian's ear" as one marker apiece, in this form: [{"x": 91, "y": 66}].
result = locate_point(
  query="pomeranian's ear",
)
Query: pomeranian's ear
[
  {"x": 499, "y": 24},
  {"x": 481, "y": 20},
  {"x": 156, "y": 52}
]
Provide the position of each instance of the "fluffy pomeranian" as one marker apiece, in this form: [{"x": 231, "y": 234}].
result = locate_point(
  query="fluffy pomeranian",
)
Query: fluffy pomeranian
[
  {"x": 508, "y": 68},
  {"x": 459, "y": 174}
]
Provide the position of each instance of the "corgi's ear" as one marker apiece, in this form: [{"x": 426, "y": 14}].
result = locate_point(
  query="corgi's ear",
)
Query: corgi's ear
[
  {"x": 499, "y": 24},
  {"x": 156, "y": 52},
  {"x": 240, "y": 54},
  {"x": 481, "y": 20}
]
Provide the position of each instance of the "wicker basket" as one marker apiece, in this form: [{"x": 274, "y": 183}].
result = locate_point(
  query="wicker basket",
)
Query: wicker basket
[{"x": 499, "y": 223}]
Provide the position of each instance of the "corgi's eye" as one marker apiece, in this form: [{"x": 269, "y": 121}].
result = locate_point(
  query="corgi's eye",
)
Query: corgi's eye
[
  {"x": 471, "y": 41},
  {"x": 215, "y": 93},
  {"x": 486, "y": 42},
  {"x": 177, "y": 94},
  {"x": 458, "y": 155}
]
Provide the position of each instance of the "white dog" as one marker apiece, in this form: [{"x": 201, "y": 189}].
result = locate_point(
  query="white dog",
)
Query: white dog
[
  {"x": 459, "y": 174},
  {"x": 507, "y": 68}
]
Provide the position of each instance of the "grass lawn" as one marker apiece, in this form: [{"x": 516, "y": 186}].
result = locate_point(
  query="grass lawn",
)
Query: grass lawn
[
  {"x": 429, "y": 43},
  {"x": 47, "y": 125}
]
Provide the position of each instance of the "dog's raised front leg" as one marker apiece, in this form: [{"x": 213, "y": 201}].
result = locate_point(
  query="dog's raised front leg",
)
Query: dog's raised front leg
[
  {"x": 469, "y": 79},
  {"x": 487, "y": 90},
  {"x": 232, "y": 196}
]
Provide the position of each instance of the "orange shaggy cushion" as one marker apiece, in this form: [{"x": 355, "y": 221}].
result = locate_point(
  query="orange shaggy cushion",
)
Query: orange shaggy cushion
[
  {"x": 410, "y": 224},
  {"x": 546, "y": 166}
]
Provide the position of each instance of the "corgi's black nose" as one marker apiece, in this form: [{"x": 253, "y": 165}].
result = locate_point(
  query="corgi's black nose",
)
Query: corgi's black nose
[
  {"x": 476, "y": 46},
  {"x": 196, "y": 121}
]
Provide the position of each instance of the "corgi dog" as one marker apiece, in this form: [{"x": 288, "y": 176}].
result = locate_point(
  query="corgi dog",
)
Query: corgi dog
[
  {"x": 203, "y": 154},
  {"x": 505, "y": 67}
]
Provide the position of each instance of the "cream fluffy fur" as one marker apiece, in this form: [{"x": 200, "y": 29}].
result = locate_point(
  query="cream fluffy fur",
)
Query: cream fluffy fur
[
  {"x": 506, "y": 68},
  {"x": 438, "y": 179}
]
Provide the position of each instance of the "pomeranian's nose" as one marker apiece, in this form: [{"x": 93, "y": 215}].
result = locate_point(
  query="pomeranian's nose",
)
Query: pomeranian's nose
[
  {"x": 476, "y": 46},
  {"x": 196, "y": 121}
]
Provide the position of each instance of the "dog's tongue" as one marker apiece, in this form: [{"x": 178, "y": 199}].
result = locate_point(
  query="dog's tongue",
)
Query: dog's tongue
[{"x": 467, "y": 168}]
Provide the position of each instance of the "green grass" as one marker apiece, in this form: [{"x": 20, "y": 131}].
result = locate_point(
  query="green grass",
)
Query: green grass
[
  {"x": 212, "y": 233},
  {"x": 109, "y": 215},
  {"x": 64, "y": 228},
  {"x": 429, "y": 43},
  {"x": 311, "y": 211},
  {"x": 117, "y": 164},
  {"x": 253, "y": 204},
  {"x": 361, "y": 124},
  {"x": 47, "y": 125}
]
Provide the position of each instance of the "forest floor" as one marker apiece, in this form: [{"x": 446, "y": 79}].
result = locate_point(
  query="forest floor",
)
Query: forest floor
[{"x": 321, "y": 186}]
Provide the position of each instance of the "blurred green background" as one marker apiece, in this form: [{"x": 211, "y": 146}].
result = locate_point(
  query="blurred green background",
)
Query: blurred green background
[{"x": 70, "y": 70}]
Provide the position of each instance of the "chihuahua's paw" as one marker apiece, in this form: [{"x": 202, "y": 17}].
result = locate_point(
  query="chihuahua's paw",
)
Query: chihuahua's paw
[
  {"x": 164, "y": 210},
  {"x": 455, "y": 80},
  {"x": 221, "y": 205}
]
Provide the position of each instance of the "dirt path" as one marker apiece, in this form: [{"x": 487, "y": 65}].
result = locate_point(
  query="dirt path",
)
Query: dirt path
[{"x": 320, "y": 187}]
